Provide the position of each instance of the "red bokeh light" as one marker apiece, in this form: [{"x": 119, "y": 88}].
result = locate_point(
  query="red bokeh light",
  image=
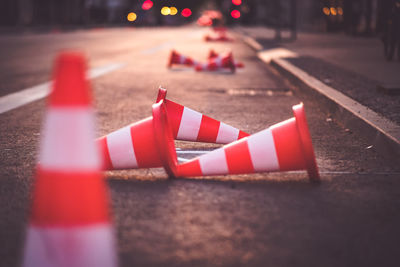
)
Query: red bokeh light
[
  {"x": 235, "y": 14},
  {"x": 147, "y": 4},
  {"x": 237, "y": 2},
  {"x": 186, "y": 12}
]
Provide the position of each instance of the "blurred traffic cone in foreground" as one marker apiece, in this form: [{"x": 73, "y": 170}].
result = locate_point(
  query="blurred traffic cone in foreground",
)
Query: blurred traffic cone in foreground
[
  {"x": 190, "y": 125},
  {"x": 285, "y": 146},
  {"x": 218, "y": 63},
  {"x": 212, "y": 54},
  {"x": 70, "y": 221},
  {"x": 178, "y": 59}
]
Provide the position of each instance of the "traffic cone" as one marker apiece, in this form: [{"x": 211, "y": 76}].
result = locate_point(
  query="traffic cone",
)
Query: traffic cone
[
  {"x": 70, "y": 221},
  {"x": 219, "y": 36},
  {"x": 178, "y": 59},
  {"x": 190, "y": 125},
  {"x": 131, "y": 147},
  {"x": 212, "y": 54},
  {"x": 218, "y": 63},
  {"x": 285, "y": 146}
]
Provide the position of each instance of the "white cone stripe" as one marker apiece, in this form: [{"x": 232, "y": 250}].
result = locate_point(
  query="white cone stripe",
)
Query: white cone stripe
[
  {"x": 218, "y": 61},
  {"x": 214, "y": 163},
  {"x": 262, "y": 151},
  {"x": 190, "y": 125},
  {"x": 226, "y": 134},
  {"x": 67, "y": 140},
  {"x": 73, "y": 246},
  {"x": 120, "y": 147},
  {"x": 182, "y": 59}
]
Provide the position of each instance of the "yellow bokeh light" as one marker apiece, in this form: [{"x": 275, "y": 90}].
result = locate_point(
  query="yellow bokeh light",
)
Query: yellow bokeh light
[
  {"x": 326, "y": 11},
  {"x": 340, "y": 11},
  {"x": 173, "y": 10},
  {"x": 333, "y": 11},
  {"x": 165, "y": 11},
  {"x": 131, "y": 16}
]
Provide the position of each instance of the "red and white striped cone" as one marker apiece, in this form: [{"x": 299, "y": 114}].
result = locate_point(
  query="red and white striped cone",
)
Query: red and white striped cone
[
  {"x": 285, "y": 146},
  {"x": 178, "y": 59},
  {"x": 70, "y": 221},
  {"x": 218, "y": 63},
  {"x": 190, "y": 125},
  {"x": 220, "y": 36},
  {"x": 131, "y": 147},
  {"x": 212, "y": 54}
]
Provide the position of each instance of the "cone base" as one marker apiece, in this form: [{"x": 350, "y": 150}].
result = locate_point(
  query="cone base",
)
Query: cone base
[{"x": 306, "y": 143}]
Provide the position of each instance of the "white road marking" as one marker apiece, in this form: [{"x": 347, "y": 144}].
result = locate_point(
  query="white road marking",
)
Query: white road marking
[
  {"x": 23, "y": 97},
  {"x": 182, "y": 159},
  {"x": 157, "y": 48},
  {"x": 178, "y": 151}
]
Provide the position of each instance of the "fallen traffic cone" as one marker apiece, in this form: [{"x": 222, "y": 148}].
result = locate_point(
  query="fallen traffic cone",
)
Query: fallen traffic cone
[
  {"x": 218, "y": 63},
  {"x": 219, "y": 36},
  {"x": 70, "y": 221},
  {"x": 285, "y": 146},
  {"x": 130, "y": 147},
  {"x": 177, "y": 59},
  {"x": 134, "y": 146},
  {"x": 212, "y": 54},
  {"x": 190, "y": 125}
]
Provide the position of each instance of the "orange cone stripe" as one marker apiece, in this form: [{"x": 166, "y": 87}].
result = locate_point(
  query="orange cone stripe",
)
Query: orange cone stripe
[
  {"x": 69, "y": 199},
  {"x": 175, "y": 112},
  {"x": 144, "y": 144},
  {"x": 130, "y": 147},
  {"x": 288, "y": 146},
  {"x": 208, "y": 130},
  {"x": 238, "y": 158},
  {"x": 70, "y": 74}
]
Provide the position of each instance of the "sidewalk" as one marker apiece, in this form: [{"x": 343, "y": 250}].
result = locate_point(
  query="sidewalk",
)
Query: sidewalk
[{"x": 351, "y": 66}]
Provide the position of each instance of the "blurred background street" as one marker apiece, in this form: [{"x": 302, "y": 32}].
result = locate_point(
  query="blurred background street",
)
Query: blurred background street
[{"x": 278, "y": 219}]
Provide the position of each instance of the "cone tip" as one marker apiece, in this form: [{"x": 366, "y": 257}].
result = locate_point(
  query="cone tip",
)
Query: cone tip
[{"x": 70, "y": 87}]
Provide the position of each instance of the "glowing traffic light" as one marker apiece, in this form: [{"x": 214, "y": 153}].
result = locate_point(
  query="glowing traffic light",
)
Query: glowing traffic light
[
  {"x": 186, "y": 12},
  {"x": 173, "y": 10},
  {"x": 165, "y": 11},
  {"x": 131, "y": 16},
  {"x": 147, "y": 5},
  {"x": 235, "y": 14},
  {"x": 237, "y": 2}
]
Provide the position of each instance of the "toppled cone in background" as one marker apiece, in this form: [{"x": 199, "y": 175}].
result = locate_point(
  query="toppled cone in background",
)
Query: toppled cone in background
[
  {"x": 218, "y": 63},
  {"x": 212, "y": 55},
  {"x": 176, "y": 58}
]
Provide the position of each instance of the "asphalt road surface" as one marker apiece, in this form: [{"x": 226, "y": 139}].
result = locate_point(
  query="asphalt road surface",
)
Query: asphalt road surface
[{"x": 274, "y": 219}]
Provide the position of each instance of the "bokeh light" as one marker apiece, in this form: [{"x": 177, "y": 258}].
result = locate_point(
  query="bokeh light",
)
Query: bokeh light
[
  {"x": 165, "y": 11},
  {"x": 326, "y": 11},
  {"x": 186, "y": 12},
  {"x": 237, "y": 2},
  {"x": 235, "y": 14},
  {"x": 147, "y": 5},
  {"x": 173, "y": 10},
  {"x": 333, "y": 11},
  {"x": 131, "y": 16}
]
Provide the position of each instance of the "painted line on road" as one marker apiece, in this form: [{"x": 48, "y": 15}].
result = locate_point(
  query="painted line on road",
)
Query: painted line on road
[
  {"x": 157, "y": 48},
  {"x": 192, "y": 151},
  {"x": 28, "y": 95},
  {"x": 182, "y": 159}
]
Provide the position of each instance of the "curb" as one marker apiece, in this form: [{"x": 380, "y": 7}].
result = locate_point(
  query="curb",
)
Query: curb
[{"x": 383, "y": 134}]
